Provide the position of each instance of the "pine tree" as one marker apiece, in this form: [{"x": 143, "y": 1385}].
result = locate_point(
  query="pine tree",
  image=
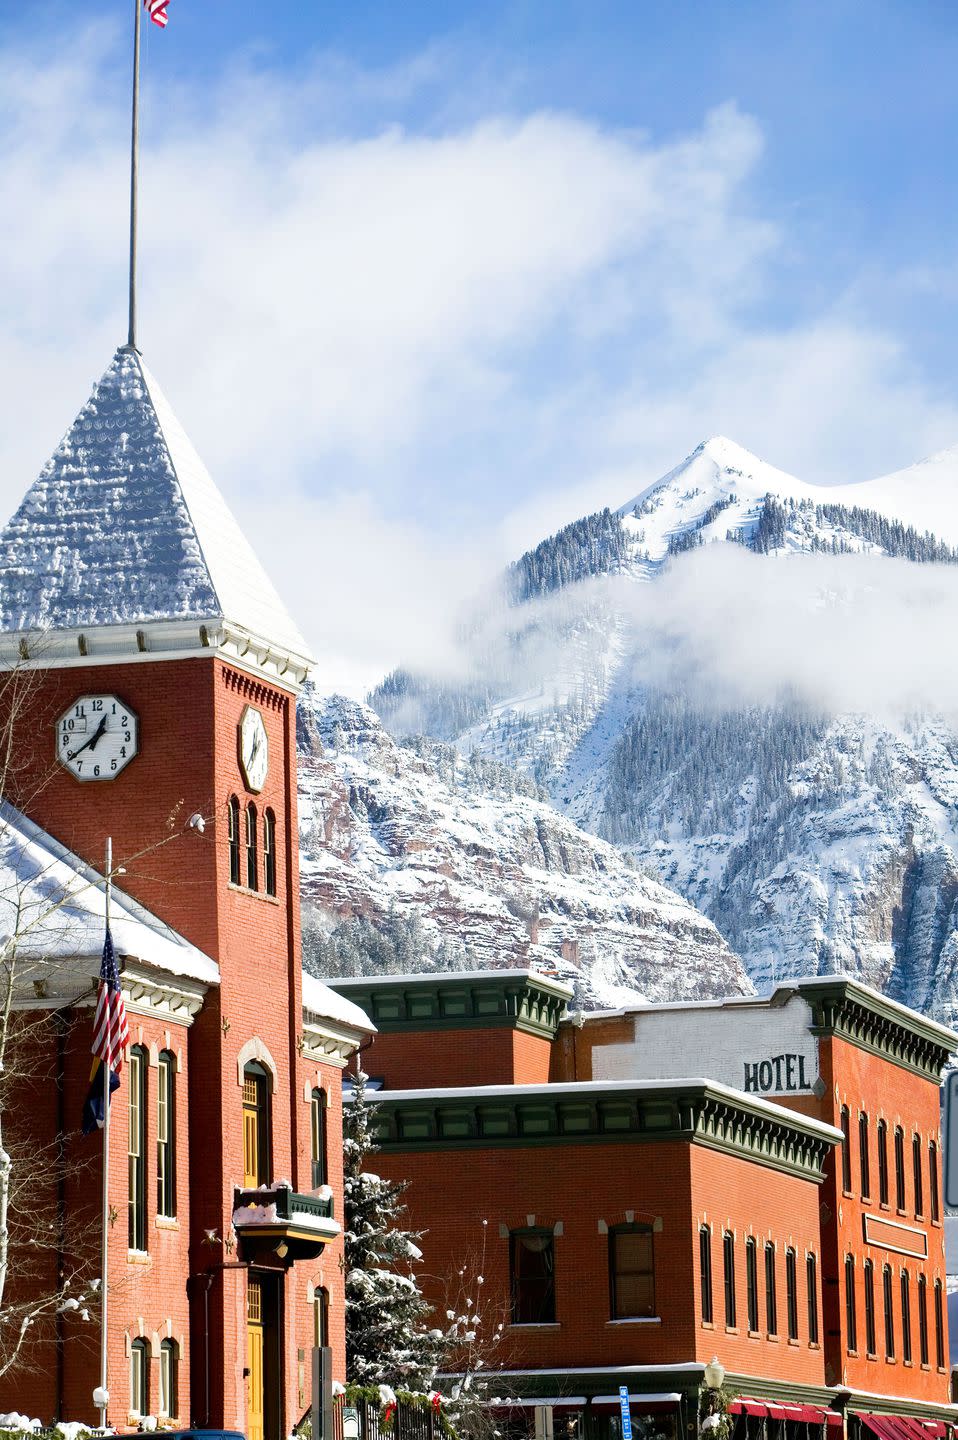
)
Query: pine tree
[{"x": 388, "y": 1338}]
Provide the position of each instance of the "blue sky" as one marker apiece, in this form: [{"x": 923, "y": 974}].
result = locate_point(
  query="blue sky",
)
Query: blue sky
[{"x": 425, "y": 281}]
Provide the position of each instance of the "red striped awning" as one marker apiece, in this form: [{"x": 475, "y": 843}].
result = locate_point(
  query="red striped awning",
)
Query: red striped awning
[
  {"x": 901, "y": 1427},
  {"x": 779, "y": 1410}
]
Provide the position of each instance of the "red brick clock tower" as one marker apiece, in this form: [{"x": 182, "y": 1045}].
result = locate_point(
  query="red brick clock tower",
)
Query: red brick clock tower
[{"x": 162, "y": 671}]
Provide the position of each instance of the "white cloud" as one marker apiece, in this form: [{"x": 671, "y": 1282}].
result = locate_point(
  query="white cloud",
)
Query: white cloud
[{"x": 385, "y": 340}]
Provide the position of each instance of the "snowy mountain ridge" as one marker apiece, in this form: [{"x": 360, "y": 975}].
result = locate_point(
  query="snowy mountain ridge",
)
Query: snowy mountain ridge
[{"x": 815, "y": 842}]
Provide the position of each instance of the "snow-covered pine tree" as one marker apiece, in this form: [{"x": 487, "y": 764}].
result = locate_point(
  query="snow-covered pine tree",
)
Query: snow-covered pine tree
[{"x": 389, "y": 1340}]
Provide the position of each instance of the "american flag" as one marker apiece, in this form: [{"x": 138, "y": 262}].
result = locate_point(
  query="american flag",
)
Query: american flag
[
  {"x": 110, "y": 1030},
  {"x": 157, "y": 9}
]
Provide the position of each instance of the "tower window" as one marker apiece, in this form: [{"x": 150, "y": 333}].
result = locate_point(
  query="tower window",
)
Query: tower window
[
  {"x": 252, "y": 867},
  {"x": 269, "y": 852},
  {"x": 317, "y": 1127},
  {"x": 166, "y": 1135},
  {"x": 136, "y": 1150},
  {"x": 256, "y": 1143},
  {"x": 232, "y": 833},
  {"x": 863, "y": 1159},
  {"x": 882, "y": 1163}
]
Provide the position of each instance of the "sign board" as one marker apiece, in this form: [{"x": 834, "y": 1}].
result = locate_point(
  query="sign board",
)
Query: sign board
[
  {"x": 626, "y": 1412},
  {"x": 760, "y": 1048},
  {"x": 949, "y": 1130}
]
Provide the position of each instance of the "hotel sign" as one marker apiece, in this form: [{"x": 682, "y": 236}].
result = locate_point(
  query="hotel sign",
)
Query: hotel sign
[{"x": 777, "y": 1075}]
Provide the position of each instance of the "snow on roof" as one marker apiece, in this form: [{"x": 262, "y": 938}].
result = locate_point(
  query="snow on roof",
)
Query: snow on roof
[
  {"x": 54, "y": 905},
  {"x": 323, "y": 1001},
  {"x": 427, "y": 977},
  {"x": 124, "y": 525}
]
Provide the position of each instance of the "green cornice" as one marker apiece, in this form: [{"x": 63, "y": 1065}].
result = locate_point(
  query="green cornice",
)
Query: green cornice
[
  {"x": 510, "y": 999},
  {"x": 856, "y": 1013},
  {"x": 692, "y": 1111}
]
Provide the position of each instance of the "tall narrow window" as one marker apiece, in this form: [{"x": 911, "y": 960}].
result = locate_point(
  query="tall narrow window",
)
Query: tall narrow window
[
  {"x": 888, "y": 1300},
  {"x": 846, "y": 1149},
  {"x": 169, "y": 1401},
  {"x": 870, "y": 1341},
  {"x": 252, "y": 867},
  {"x": 728, "y": 1262},
  {"x": 771, "y": 1300},
  {"x": 317, "y": 1130},
  {"x": 899, "y": 1167},
  {"x": 939, "y": 1328},
  {"x": 934, "y": 1194},
  {"x": 863, "y": 1158},
  {"x": 882, "y": 1163},
  {"x": 532, "y": 1266},
  {"x": 269, "y": 852},
  {"x": 321, "y": 1318},
  {"x": 791, "y": 1294},
  {"x": 631, "y": 1272},
  {"x": 916, "y": 1165},
  {"x": 139, "y": 1377},
  {"x": 811, "y": 1283},
  {"x": 751, "y": 1282},
  {"x": 233, "y": 837},
  {"x": 851, "y": 1314},
  {"x": 166, "y": 1135},
  {"x": 705, "y": 1271},
  {"x": 923, "y": 1319},
  {"x": 256, "y": 1140},
  {"x": 136, "y": 1149},
  {"x": 906, "y": 1317}
]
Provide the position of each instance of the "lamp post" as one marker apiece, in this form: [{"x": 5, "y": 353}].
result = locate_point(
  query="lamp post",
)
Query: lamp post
[{"x": 712, "y": 1423}]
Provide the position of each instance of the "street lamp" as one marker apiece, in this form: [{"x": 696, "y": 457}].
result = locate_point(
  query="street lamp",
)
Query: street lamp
[{"x": 714, "y": 1374}]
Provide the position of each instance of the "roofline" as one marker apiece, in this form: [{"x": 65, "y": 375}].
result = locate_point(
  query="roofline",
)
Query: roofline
[
  {"x": 781, "y": 1113},
  {"x": 454, "y": 977}
]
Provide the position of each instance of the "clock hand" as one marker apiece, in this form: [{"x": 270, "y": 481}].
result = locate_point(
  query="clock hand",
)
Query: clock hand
[{"x": 89, "y": 744}]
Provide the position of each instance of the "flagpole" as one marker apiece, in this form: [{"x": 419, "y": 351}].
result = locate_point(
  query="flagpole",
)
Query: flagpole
[
  {"x": 104, "y": 1246},
  {"x": 134, "y": 164}
]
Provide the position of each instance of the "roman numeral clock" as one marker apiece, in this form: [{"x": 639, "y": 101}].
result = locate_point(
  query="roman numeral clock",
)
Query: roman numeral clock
[{"x": 97, "y": 737}]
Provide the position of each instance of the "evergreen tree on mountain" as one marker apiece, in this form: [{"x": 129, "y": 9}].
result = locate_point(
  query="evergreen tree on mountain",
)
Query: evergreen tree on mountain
[{"x": 388, "y": 1337}]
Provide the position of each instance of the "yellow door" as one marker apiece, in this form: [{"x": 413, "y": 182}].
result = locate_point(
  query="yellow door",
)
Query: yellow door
[{"x": 254, "y": 1362}]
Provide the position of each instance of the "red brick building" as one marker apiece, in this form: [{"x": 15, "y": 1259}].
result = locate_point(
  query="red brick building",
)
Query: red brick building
[
  {"x": 782, "y": 1213},
  {"x": 154, "y": 673}
]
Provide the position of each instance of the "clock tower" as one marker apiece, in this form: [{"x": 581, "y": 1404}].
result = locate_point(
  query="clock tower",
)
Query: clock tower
[{"x": 161, "y": 670}]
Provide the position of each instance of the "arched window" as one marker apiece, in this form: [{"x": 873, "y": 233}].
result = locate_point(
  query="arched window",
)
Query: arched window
[
  {"x": 252, "y": 868},
  {"x": 811, "y": 1284},
  {"x": 939, "y": 1327},
  {"x": 923, "y": 1319},
  {"x": 888, "y": 1299},
  {"x": 845, "y": 1123},
  {"x": 899, "y": 1167},
  {"x": 791, "y": 1293},
  {"x": 728, "y": 1269},
  {"x": 317, "y": 1137},
  {"x": 631, "y": 1272},
  {"x": 136, "y": 1150},
  {"x": 139, "y": 1377},
  {"x": 269, "y": 852},
  {"x": 851, "y": 1313},
  {"x": 906, "y": 1317},
  {"x": 863, "y": 1165},
  {"x": 933, "y": 1192},
  {"x": 169, "y": 1400},
  {"x": 916, "y": 1158},
  {"x": 321, "y": 1317},
  {"x": 882, "y": 1163},
  {"x": 232, "y": 833},
  {"x": 166, "y": 1135},
  {"x": 256, "y": 1139},
  {"x": 870, "y": 1341},
  {"x": 705, "y": 1271}
]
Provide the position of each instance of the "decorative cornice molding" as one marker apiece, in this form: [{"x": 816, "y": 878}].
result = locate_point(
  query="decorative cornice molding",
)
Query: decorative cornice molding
[
  {"x": 695, "y": 1112},
  {"x": 151, "y": 992},
  {"x": 857, "y": 1014},
  {"x": 154, "y": 640},
  {"x": 325, "y": 1043},
  {"x": 495, "y": 999}
]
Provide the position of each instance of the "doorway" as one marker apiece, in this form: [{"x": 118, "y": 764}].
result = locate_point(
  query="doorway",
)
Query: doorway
[{"x": 264, "y": 1397}]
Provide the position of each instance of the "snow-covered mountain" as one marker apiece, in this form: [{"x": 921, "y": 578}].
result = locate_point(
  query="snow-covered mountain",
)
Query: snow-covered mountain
[
  {"x": 413, "y": 856},
  {"x": 815, "y": 842}
]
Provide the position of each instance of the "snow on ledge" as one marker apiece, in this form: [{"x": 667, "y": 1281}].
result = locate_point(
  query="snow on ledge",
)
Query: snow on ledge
[{"x": 328, "y": 1004}]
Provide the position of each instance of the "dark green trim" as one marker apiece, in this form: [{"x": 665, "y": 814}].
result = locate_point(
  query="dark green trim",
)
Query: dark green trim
[
  {"x": 531, "y": 1384},
  {"x": 501, "y": 999},
  {"x": 694, "y": 1112},
  {"x": 892, "y": 1405},
  {"x": 842, "y": 1008}
]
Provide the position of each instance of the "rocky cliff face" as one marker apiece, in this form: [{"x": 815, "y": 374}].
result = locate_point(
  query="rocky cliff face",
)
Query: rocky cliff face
[
  {"x": 413, "y": 856},
  {"x": 816, "y": 842}
]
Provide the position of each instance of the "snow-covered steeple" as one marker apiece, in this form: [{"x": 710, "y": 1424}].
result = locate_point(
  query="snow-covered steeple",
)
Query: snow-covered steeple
[{"x": 124, "y": 546}]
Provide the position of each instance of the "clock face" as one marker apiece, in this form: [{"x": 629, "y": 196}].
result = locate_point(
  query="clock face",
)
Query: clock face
[
  {"x": 254, "y": 748},
  {"x": 97, "y": 737}
]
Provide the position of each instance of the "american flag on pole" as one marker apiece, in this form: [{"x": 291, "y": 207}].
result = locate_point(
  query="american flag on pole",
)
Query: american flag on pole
[
  {"x": 111, "y": 1033},
  {"x": 157, "y": 9}
]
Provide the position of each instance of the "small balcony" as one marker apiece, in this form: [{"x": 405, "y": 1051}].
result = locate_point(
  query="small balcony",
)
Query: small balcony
[{"x": 276, "y": 1221}]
